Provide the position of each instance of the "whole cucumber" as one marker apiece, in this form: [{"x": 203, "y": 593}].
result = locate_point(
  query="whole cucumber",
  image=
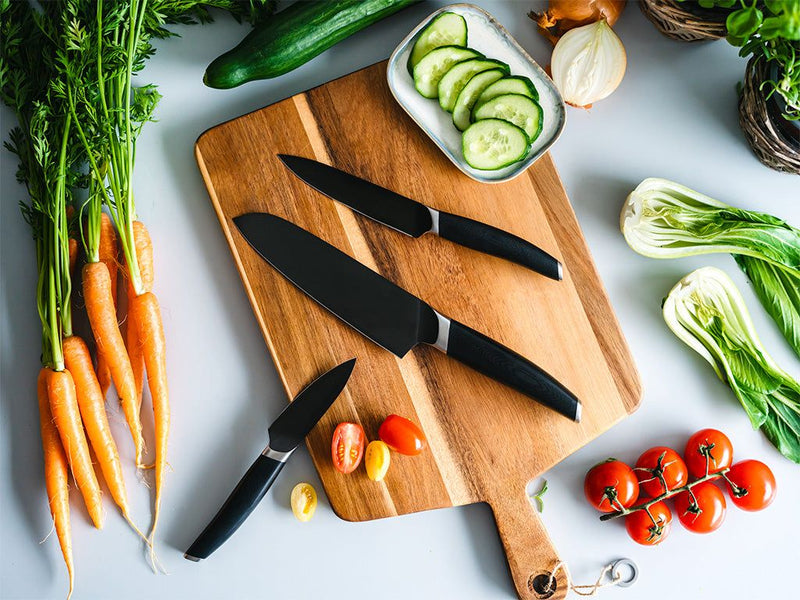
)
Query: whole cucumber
[{"x": 294, "y": 36}]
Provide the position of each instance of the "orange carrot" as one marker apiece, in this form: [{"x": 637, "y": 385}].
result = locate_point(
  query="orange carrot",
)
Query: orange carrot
[
  {"x": 144, "y": 257},
  {"x": 56, "y": 475},
  {"x": 67, "y": 418},
  {"x": 92, "y": 406},
  {"x": 147, "y": 316},
  {"x": 73, "y": 254},
  {"x": 109, "y": 254},
  {"x": 103, "y": 319}
]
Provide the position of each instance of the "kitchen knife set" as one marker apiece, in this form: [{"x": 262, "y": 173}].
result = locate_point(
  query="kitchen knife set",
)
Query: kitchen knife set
[{"x": 380, "y": 310}]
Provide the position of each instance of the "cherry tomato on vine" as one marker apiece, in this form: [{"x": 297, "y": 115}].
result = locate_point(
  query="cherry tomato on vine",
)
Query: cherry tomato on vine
[
  {"x": 610, "y": 484},
  {"x": 646, "y": 530},
  {"x": 754, "y": 485},
  {"x": 709, "y": 442},
  {"x": 658, "y": 466},
  {"x": 702, "y": 511},
  {"x": 401, "y": 435},
  {"x": 347, "y": 447}
]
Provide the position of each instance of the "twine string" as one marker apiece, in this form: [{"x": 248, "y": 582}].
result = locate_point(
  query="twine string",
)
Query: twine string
[{"x": 588, "y": 589}]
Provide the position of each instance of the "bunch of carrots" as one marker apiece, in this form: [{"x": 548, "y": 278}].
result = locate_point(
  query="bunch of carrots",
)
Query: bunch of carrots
[{"x": 67, "y": 69}]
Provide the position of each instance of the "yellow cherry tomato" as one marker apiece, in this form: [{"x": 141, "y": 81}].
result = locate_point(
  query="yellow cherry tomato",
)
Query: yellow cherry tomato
[
  {"x": 377, "y": 460},
  {"x": 304, "y": 501}
]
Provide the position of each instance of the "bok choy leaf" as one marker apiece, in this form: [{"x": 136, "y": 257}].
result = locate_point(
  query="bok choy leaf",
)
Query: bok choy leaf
[
  {"x": 663, "y": 219},
  {"x": 707, "y": 312},
  {"x": 778, "y": 288}
]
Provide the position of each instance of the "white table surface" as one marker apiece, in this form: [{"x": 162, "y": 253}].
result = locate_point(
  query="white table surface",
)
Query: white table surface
[{"x": 673, "y": 116}]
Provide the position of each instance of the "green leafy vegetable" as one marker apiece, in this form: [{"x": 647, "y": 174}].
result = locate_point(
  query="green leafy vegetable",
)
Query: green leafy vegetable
[
  {"x": 663, "y": 219},
  {"x": 778, "y": 288},
  {"x": 770, "y": 30},
  {"x": 707, "y": 312}
]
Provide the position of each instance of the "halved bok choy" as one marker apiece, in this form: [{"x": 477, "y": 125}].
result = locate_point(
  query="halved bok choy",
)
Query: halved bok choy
[
  {"x": 663, "y": 219},
  {"x": 707, "y": 312}
]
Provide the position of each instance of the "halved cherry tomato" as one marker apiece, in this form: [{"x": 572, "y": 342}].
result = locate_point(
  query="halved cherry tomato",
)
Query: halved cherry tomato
[
  {"x": 304, "y": 501},
  {"x": 754, "y": 485},
  {"x": 401, "y": 435},
  {"x": 711, "y": 443},
  {"x": 649, "y": 529},
  {"x": 703, "y": 510},
  {"x": 347, "y": 447},
  {"x": 611, "y": 485},
  {"x": 377, "y": 460},
  {"x": 659, "y": 466}
]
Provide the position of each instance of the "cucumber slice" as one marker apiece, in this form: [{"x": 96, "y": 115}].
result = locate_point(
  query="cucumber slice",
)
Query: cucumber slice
[
  {"x": 456, "y": 78},
  {"x": 492, "y": 144},
  {"x": 447, "y": 29},
  {"x": 514, "y": 108},
  {"x": 466, "y": 99},
  {"x": 510, "y": 85},
  {"x": 435, "y": 64}
]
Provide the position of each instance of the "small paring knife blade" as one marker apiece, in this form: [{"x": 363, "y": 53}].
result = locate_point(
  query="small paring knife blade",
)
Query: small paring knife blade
[{"x": 415, "y": 219}]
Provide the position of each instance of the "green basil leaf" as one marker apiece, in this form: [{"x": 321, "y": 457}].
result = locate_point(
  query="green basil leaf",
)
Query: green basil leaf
[
  {"x": 744, "y": 22},
  {"x": 775, "y": 6},
  {"x": 771, "y": 28}
]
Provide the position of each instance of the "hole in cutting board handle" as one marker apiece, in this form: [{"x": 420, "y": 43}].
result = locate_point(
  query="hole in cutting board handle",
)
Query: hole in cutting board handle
[{"x": 543, "y": 584}]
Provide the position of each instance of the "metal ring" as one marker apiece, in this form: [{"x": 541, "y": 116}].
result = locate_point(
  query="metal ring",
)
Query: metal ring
[{"x": 617, "y": 575}]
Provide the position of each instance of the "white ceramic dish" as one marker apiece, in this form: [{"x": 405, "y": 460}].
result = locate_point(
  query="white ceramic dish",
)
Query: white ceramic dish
[{"x": 487, "y": 36}]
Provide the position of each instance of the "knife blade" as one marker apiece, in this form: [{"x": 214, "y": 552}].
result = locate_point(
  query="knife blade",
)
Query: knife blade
[
  {"x": 389, "y": 315},
  {"x": 415, "y": 219},
  {"x": 285, "y": 434}
]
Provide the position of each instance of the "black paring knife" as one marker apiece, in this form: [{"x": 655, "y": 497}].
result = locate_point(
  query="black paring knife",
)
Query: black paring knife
[
  {"x": 415, "y": 219},
  {"x": 285, "y": 434},
  {"x": 387, "y": 314}
]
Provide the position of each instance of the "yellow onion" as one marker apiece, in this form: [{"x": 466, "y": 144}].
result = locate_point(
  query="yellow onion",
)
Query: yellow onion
[
  {"x": 588, "y": 63},
  {"x": 563, "y": 15}
]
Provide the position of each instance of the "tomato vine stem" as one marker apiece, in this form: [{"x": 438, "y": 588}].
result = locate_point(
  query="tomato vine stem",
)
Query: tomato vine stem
[{"x": 646, "y": 505}]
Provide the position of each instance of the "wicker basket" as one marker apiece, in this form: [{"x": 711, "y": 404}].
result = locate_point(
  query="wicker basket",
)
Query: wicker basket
[
  {"x": 768, "y": 143},
  {"x": 676, "y": 22}
]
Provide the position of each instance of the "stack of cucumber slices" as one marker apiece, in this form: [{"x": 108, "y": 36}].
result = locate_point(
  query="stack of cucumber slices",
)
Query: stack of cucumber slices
[{"x": 498, "y": 113}]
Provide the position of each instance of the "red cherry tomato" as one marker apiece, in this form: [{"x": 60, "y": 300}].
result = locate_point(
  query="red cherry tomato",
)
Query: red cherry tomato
[
  {"x": 347, "y": 447},
  {"x": 712, "y": 443},
  {"x": 651, "y": 529},
  {"x": 401, "y": 435},
  {"x": 610, "y": 484},
  {"x": 658, "y": 466},
  {"x": 754, "y": 485},
  {"x": 702, "y": 511}
]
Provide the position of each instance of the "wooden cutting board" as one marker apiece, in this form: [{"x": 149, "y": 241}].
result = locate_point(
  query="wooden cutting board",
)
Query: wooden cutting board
[{"x": 486, "y": 442}]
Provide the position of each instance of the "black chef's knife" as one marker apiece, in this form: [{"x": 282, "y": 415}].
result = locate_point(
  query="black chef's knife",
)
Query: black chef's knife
[
  {"x": 414, "y": 218},
  {"x": 285, "y": 434},
  {"x": 387, "y": 314}
]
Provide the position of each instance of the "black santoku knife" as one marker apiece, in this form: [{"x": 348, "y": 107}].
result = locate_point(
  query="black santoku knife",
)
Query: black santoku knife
[
  {"x": 285, "y": 434},
  {"x": 414, "y": 218},
  {"x": 387, "y": 314}
]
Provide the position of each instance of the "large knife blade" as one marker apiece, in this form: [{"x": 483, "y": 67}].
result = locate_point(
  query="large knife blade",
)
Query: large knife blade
[
  {"x": 387, "y": 314},
  {"x": 285, "y": 434},
  {"x": 415, "y": 219}
]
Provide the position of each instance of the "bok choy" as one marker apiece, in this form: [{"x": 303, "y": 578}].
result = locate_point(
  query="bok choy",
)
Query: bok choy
[
  {"x": 662, "y": 219},
  {"x": 707, "y": 312}
]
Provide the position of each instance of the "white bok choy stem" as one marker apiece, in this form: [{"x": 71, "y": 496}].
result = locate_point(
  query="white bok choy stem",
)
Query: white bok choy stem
[
  {"x": 707, "y": 312},
  {"x": 663, "y": 219}
]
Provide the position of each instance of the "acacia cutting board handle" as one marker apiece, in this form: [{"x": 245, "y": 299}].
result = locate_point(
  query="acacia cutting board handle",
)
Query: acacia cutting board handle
[{"x": 529, "y": 551}]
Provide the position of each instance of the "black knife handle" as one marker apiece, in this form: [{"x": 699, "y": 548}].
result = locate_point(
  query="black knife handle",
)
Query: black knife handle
[
  {"x": 244, "y": 498},
  {"x": 491, "y": 240},
  {"x": 506, "y": 366}
]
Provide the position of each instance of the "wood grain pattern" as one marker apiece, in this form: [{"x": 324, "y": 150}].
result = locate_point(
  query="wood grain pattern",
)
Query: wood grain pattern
[{"x": 486, "y": 441}]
